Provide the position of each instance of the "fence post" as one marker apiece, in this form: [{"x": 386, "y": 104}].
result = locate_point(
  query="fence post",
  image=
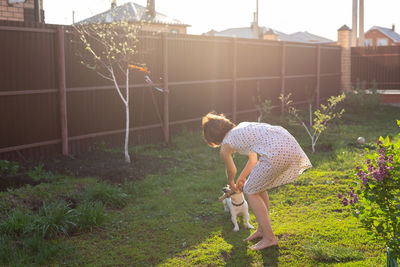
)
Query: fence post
[
  {"x": 234, "y": 81},
  {"x": 317, "y": 89},
  {"x": 63, "y": 89},
  {"x": 165, "y": 86},
  {"x": 283, "y": 66}
]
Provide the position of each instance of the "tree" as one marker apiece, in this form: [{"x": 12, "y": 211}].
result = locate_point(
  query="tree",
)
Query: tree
[
  {"x": 109, "y": 49},
  {"x": 322, "y": 116}
]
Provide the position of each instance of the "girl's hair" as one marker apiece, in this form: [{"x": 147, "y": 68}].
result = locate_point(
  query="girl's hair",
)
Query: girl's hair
[{"x": 215, "y": 127}]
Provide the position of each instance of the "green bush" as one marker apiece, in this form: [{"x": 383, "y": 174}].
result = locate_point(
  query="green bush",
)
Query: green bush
[
  {"x": 108, "y": 195},
  {"x": 375, "y": 200},
  {"x": 9, "y": 167},
  {"x": 39, "y": 173},
  {"x": 90, "y": 215},
  {"x": 359, "y": 99},
  {"x": 55, "y": 219},
  {"x": 17, "y": 223}
]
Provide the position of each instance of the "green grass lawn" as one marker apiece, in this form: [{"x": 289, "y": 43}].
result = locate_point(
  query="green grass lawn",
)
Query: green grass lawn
[{"x": 175, "y": 219}]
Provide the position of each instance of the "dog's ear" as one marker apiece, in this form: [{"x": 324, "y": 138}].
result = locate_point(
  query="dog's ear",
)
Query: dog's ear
[{"x": 226, "y": 189}]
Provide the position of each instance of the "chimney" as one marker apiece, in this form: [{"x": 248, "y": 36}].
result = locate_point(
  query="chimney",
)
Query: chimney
[
  {"x": 113, "y": 4},
  {"x": 36, "y": 7},
  {"x": 271, "y": 35},
  {"x": 151, "y": 9},
  {"x": 393, "y": 27}
]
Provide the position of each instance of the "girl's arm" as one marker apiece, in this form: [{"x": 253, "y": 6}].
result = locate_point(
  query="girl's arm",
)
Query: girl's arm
[
  {"x": 226, "y": 154},
  {"x": 247, "y": 169}
]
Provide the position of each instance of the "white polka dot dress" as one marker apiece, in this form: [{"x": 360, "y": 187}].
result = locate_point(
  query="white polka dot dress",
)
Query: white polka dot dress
[{"x": 281, "y": 159}]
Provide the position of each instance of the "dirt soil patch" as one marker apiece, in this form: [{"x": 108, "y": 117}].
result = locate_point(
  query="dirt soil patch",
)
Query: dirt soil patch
[{"x": 108, "y": 166}]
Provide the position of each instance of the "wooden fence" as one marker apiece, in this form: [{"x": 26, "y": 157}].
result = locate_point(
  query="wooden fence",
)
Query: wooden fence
[
  {"x": 52, "y": 104},
  {"x": 380, "y": 65}
]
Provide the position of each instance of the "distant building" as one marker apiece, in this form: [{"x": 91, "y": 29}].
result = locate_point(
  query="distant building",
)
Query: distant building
[
  {"x": 135, "y": 13},
  {"x": 22, "y": 10},
  {"x": 271, "y": 34},
  {"x": 311, "y": 38},
  {"x": 380, "y": 36}
]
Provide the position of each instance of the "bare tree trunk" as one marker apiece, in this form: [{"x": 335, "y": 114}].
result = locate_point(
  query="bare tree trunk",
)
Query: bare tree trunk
[{"x": 127, "y": 157}]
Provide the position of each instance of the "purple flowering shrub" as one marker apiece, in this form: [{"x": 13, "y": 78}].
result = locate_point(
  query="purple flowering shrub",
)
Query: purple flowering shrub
[{"x": 375, "y": 200}]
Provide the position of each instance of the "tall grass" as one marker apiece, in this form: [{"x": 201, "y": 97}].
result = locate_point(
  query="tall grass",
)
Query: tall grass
[
  {"x": 108, "y": 195},
  {"x": 19, "y": 222},
  {"x": 89, "y": 215},
  {"x": 31, "y": 251},
  {"x": 55, "y": 219}
]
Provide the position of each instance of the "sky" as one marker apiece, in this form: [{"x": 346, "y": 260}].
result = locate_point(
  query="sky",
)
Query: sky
[{"x": 320, "y": 17}]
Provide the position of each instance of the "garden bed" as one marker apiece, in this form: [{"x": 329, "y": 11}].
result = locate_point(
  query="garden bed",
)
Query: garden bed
[{"x": 107, "y": 166}]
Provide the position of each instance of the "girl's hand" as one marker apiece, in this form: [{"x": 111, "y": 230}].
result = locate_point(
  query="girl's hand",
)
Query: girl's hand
[
  {"x": 233, "y": 186},
  {"x": 240, "y": 183}
]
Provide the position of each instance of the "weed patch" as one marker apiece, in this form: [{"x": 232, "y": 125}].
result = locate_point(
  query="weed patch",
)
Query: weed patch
[
  {"x": 324, "y": 252},
  {"x": 108, "y": 195}
]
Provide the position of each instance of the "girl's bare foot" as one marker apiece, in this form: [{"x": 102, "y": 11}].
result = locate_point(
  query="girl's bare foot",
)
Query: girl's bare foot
[
  {"x": 254, "y": 235},
  {"x": 264, "y": 243}
]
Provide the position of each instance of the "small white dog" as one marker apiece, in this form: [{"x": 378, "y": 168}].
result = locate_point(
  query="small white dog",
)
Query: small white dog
[{"x": 237, "y": 205}]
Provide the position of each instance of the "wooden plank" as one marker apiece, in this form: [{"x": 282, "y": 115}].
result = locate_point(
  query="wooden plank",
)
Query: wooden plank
[
  {"x": 283, "y": 65},
  {"x": 26, "y": 146},
  {"x": 234, "y": 81},
  {"x": 165, "y": 87},
  {"x": 26, "y": 29},
  {"x": 318, "y": 83},
  {"x": 63, "y": 91},
  {"x": 29, "y": 92}
]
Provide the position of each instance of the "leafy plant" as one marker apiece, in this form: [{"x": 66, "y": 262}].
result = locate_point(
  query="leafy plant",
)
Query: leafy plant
[
  {"x": 9, "y": 167},
  {"x": 19, "y": 222},
  {"x": 39, "y": 173},
  {"x": 360, "y": 99},
  {"x": 264, "y": 108},
  {"x": 90, "y": 215},
  {"x": 57, "y": 218},
  {"x": 376, "y": 199},
  {"x": 322, "y": 116},
  {"x": 107, "y": 194}
]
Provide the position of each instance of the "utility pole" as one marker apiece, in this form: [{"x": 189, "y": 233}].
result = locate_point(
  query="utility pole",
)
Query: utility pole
[
  {"x": 361, "y": 24},
  {"x": 354, "y": 26},
  {"x": 255, "y": 23}
]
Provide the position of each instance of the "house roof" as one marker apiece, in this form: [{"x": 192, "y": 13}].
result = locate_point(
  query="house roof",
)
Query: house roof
[
  {"x": 249, "y": 32},
  {"x": 388, "y": 32},
  {"x": 244, "y": 32},
  {"x": 344, "y": 28},
  {"x": 131, "y": 12},
  {"x": 311, "y": 38},
  {"x": 281, "y": 36}
]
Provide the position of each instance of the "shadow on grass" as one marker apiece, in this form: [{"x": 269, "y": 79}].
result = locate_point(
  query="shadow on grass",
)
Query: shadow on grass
[
  {"x": 241, "y": 255},
  {"x": 271, "y": 256}
]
